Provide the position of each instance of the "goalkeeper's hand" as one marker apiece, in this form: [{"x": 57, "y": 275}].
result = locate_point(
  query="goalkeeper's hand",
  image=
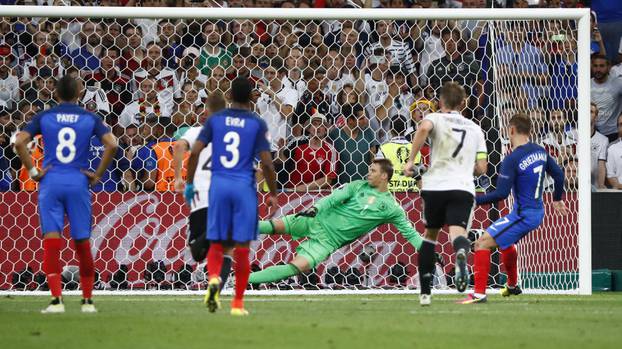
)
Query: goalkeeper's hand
[
  {"x": 189, "y": 193},
  {"x": 310, "y": 212}
]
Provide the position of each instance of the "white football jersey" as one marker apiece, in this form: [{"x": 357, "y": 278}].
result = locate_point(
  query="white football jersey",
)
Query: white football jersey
[
  {"x": 203, "y": 174},
  {"x": 455, "y": 144}
]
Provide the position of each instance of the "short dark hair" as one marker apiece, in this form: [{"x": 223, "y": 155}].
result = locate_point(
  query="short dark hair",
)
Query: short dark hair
[
  {"x": 385, "y": 166},
  {"x": 596, "y": 56},
  {"x": 452, "y": 94},
  {"x": 241, "y": 90},
  {"x": 522, "y": 123},
  {"x": 450, "y": 31},
  {"x": 215, "y": 101},
  {"x": 67, "y": 88}
]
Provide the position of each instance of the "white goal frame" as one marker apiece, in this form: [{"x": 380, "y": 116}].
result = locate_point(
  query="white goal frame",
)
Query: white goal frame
[{"x": 582, "y": 16}]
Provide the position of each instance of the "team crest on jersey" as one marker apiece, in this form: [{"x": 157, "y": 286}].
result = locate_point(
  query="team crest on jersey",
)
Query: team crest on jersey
[{"x": 371, "y": 200}]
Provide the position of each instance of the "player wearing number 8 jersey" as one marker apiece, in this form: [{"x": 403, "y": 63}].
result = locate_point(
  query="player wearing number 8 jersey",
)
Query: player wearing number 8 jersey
[
  {"x": 67, "y": 131},
  {"x": 448, "y": 189},
  {"x": 523, "y": 171},
  {"x": 237, "y": 136}
]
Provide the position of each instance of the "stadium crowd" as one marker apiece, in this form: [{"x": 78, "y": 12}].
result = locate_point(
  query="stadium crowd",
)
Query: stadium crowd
[{"x": 335, "y": 94}]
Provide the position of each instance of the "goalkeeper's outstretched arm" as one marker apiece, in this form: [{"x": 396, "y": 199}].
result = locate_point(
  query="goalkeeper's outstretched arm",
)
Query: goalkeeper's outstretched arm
[{"x": 405, "y": 228}]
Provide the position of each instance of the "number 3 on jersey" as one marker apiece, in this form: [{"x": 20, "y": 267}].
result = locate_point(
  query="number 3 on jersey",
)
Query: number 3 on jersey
[
  {"x": 66, "y": 140},
  {"x": 232, "y": 139}
]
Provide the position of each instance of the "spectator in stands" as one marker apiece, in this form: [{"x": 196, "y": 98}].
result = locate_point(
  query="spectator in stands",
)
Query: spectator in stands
[
  {"x": 420, "y": 108},
  {"x": 456, "y": 65},
  {"x": 561, "y": 139},
  {"x": 116, "y": 86},
  {"x": 148, "y": 103},
  {"x": 312, "y": 164},
  {"x": 386, "y": 38},
  {"x": 165, "y": 172},
  {"x": 606, "y": 92},
  {"x": 430, "y": 47},
  {"x": 134, "y": 53},
  {"x": 609, "y": 15},
  {"x": 597, "y": 45},
  {"x": 521, "y": 61},
  {"x": 42, "y": 91},
  {"x": 167, "y": 84},
  {"x": 187, "y": 70},
  {"x": 243, "y": 34},
  {"x": 564, "y": 71},
  {"x": 9, "y": 84},
  {"x": 312, "y": 100},
  {"x": 276, "y": 106},
  {"x": 170, "y": 41},
  {"x": 376, "y": 89},
  {"x": 397, "y": 150},
  {"x": 571, "y": 183},
  {"x": 144, "y": 163},
  {"x": 213, "y": 52},
  {"x": 614, "y": 160},
  {"x": 599, "y": 144},
  {"x": 400, "y": 99},
  {"x": 41, "y": 65},
  {"x": 87, "y": 56},
  {"x": 356, "y": 144}
]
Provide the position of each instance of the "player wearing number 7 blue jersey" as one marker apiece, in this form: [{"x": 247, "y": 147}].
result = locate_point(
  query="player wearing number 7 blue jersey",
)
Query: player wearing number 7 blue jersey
[
  {"x": 237, "y": 136},
  {"x": 523, "y": 172},
  {"x": 67, "y": 131}
]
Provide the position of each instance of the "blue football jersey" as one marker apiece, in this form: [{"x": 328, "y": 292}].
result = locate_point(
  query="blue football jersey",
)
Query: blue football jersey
[
  {"x": 237, "y": 136},
  {"x": 523, "y": 172},
  {"x": 67, "y": 130}
]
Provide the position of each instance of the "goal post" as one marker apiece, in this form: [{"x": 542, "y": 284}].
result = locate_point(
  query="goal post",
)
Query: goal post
[{"x": 132, "y": 228}]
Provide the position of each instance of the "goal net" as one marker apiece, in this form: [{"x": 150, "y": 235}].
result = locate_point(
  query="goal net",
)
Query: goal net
[{"x": 336, "y": 89}]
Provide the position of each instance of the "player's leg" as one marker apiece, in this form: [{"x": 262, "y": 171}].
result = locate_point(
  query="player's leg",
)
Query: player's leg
[
  {"x": 219, "y": 225},
  {"x": 458, "y": 217},
  {"x": 434, "y": 215},
  {"x": 199, "y": 245},
  {"x": 51, "y": 215},
  {"x": 77, "y": 202},
  {"x": 244, "y": 230},
  {"x": 309, "y": 254},
  {"x": 483, "y": 247}
]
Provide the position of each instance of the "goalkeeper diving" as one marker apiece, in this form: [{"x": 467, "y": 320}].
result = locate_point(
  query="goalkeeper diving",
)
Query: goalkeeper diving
[{"x": 337, "y": 220}]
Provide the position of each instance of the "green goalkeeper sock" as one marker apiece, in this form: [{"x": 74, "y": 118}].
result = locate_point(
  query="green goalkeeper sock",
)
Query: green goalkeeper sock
[
  {"x": 266, "y": 227},
  {"x": 275, "y": 273}
]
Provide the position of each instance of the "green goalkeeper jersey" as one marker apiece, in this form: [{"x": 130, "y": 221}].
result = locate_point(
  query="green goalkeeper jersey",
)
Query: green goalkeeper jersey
[{"x": 356, "y": 209}]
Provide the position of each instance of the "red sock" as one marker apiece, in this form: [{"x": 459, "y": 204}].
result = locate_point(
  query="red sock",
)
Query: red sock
[
  {"x": 87, "y": 270},
  {"x": 51, "y": 265},
  {"x": 482, "y": 269},
  {"x": 214, "y": 260},
  {"x": 242, "y": 271},
  {"x": 509, "y": 257}
]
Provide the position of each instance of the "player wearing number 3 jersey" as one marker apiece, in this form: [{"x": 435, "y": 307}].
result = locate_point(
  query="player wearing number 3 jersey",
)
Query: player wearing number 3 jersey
[
  {"x": 67, "y": 131},
  {"x": 448, "y": 190},
  {"x": 523, "y": 171},
  {"x": 237, "y": 136}
]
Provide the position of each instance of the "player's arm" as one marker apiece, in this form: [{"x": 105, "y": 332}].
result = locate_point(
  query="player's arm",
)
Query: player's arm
[
  {"x": 505, "y": 179},
  {"x": 553, "y": 169},
  {"x": 423, "y": 131},
  {"x": 481, "y": 157},
  {"x": 110, "y": 151},
  {"x": 602, "y": 174},
  {"x": 405, "y": 228},
  {"x": 262, "y": 148},
  {"x": 337, "y": 197},
  {"x": 21, "y": 147},
  {"x": 179, "y": 150}
]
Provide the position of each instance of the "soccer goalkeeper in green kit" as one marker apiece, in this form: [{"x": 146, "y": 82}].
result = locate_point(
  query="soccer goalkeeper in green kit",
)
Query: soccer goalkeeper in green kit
[{"x": 337, "y": 220}]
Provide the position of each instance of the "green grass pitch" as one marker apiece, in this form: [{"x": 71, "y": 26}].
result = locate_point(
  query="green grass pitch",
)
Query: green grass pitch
[{"x": 383, "y": 321}]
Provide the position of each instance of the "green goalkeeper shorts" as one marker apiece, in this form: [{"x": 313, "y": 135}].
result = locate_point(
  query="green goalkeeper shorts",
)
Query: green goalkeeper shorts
[{"x": 314, "y": 250}]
